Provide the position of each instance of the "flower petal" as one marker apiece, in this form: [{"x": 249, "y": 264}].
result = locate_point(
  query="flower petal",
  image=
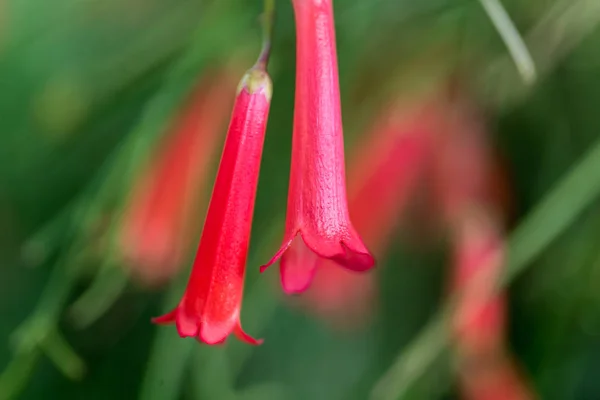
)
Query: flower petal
[
  {"x": 286, "y": 244},
  {"x": 298, "y": 266},
  {"x": 166, "y": 319},
  {"x": 187, "y": 325},
  {"x": 244, "y": 337},
  {"x": 211, "y": 333},
  {"x": 354, "y": 259}
]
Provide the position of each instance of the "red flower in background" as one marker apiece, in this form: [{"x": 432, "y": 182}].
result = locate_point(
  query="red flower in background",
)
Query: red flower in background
[
  {"x": 159, "y": 221},
  {"x": 383, "y": 173},
  {"x": 500, "y": 380},
  {"x": 318, "y": 222},
  {"x": 479, "y": 319},
  {"x": 474, "y": 202},
  {"x": 486, "y": 371},
  {"x": 461, "y": 162},
  {"x": 210, "y": 307}
]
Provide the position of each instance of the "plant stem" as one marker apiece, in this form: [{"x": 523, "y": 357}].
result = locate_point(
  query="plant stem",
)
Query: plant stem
[
  {"x": 513, "y": 40},
  {"x": 268, "y": 19}
]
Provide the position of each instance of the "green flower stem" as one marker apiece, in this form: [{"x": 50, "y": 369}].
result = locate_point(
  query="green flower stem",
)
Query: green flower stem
[
  {"x": 268, "y": 18},
  {"x": 39, "y": 334},
  {"x": 513, "y": 40},
  {"x": 108, "y": 285},
  {"x": 559, "y": 31},
  {"x": 64, "y": 357},
  {"x": 16, "y": 375},
  {"x": 555, "y": 213},
  {"x": 37, "y": 249},
  {"x": 82, "y": 211},
  {"x": 52, "y": 300}
]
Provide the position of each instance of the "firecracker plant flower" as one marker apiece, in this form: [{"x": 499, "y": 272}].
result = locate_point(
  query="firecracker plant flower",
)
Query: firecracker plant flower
[
  {"x": 318, "y": 222},
  {"x": 210, "y": 307}
]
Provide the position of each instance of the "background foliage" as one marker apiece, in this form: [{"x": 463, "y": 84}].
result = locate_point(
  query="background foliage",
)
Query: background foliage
[{"x": 80, "y": 80}]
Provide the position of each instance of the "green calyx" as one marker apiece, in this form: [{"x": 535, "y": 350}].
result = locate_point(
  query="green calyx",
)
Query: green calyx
[{"x": 256, "y": 80}]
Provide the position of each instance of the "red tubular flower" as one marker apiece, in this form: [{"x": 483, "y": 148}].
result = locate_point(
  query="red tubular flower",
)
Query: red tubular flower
[
  {"x": 382, "y": 175},
  {"x": 462, "y": 167},
  {"x": 318, "y": 222},
  {"x": 384, "y": 171},
  {"x": 462, "y": 163},
  {"x": 157, "y": 228},
  {"x": 480, "y": 315},
  {"x": 500, "y": 380},
  {"x": 210, "y": 307},
  {"x": 465, "y": 175},
  {"x": 486, "y": 371}
]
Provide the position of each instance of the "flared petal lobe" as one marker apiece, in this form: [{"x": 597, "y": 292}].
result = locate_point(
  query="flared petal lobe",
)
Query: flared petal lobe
[
  {"x": 210, "y": 307},
  {"x": 317, "y": 212}
]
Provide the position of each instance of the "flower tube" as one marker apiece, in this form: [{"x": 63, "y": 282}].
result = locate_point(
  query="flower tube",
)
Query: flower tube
[
  {"x": 318, "y": 222},
  {"x": 210, "y": 307}
]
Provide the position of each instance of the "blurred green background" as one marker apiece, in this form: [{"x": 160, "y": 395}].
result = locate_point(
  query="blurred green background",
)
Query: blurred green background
[{"x": 80, "y": 80}]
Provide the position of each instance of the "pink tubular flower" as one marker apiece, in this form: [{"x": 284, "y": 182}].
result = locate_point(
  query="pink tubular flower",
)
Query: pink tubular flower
[
  {"x": 157, "y": 227},
  {"x": 318, "y": 222},
  {"x": 462, "y": 166},
  {"x": 210, "y": 307},
  {"x": 480, "y": 315},
  {"x": 384, "y": 171},
  {"x": 498, "y": 378},
  {"x": 382, "y": 175},
  {"x": 467, "y": 170},
  {"x": 486, "y": 371},
  {"x": 474, "y": 201}
]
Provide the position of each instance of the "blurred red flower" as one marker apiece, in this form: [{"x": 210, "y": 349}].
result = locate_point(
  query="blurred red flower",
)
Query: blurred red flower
[
  {"x": 160, "y": 221},
  {"x": 383, "y": 173},
  {"x": 475, "y": 202}
]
